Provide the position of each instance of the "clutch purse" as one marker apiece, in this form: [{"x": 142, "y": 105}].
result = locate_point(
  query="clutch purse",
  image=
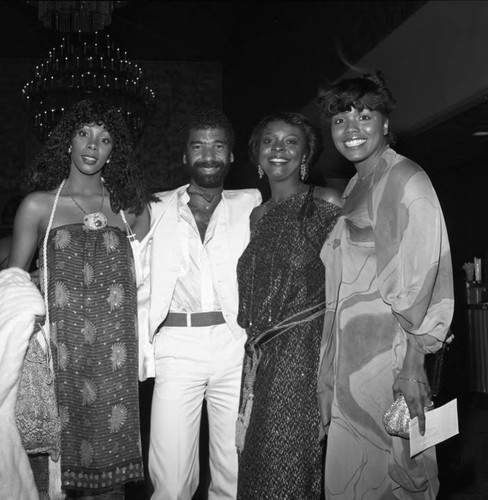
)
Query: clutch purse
[{"x": 397, "y": 418}]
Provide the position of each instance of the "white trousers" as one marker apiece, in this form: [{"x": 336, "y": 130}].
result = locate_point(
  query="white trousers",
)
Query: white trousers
[{"x": 193, "y": 363}]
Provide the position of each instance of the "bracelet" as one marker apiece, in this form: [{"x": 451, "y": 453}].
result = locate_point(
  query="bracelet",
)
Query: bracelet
[{"x": 412, "y": 380}]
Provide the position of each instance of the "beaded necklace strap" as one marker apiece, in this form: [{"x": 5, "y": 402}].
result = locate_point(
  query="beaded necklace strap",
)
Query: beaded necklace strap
[{"x": 44, "y": 261}]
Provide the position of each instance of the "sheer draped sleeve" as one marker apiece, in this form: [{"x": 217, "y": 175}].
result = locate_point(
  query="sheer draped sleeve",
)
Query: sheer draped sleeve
[{"x": 413, "y": 258}]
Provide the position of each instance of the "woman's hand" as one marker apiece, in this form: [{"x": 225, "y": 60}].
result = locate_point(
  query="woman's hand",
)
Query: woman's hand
[{"x": 413, "y": 384}]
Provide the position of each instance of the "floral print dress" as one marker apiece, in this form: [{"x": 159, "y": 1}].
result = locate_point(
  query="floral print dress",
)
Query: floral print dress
[{"x": 92, "y": 300}]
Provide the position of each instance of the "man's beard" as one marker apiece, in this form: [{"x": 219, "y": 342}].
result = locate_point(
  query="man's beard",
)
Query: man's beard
[{"x": 206, "y": 180}]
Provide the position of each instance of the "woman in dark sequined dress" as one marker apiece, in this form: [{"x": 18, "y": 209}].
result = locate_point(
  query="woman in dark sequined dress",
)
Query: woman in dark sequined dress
[{"x": 281, "y": 288}]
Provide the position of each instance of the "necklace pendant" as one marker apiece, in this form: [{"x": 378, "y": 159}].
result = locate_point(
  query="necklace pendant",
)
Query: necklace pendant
[{"x": 95, "y": 221}]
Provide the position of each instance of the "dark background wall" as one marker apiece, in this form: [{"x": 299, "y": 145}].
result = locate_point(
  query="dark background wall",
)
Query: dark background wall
[
  {"x": 180, "y": 87},
  {"x": 255, "y": 58}
]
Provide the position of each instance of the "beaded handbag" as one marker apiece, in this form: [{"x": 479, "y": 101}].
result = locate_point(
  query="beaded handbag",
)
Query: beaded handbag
[
  {"x": 397, "y": 418},
  {"x": 36, "y": 409}
]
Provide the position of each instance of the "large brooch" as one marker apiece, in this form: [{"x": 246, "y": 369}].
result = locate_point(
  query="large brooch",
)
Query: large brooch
[{"x": 95, "y": 221}]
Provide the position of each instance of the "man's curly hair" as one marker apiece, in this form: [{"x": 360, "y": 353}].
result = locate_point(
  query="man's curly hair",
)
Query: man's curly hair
[
  {"x": 205, "y": 118},
  {"x": 122, "y": 177}
]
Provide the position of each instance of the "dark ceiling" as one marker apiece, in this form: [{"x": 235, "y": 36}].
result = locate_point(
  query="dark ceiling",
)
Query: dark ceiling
[
  {"x": 273, "y": 54},
  {"x": 456, "y": 142}
]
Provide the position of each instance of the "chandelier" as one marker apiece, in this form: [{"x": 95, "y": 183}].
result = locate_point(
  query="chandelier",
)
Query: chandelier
[
  {"x": 73, "y": 16},
  {"x": 87, "y": 65}
]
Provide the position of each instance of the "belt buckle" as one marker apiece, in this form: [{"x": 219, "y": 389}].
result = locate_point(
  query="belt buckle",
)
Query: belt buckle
[{"x": 188, "y": 320}]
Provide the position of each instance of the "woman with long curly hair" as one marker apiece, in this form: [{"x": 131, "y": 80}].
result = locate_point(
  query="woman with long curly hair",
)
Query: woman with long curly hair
[{"x": 87, "y": 199}]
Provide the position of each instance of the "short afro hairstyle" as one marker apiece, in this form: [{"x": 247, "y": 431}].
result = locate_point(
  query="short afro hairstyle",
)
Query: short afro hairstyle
[{"x": 368, "y": 91}]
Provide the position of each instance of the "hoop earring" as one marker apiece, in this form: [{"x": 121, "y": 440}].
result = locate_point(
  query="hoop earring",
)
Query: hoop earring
[
  {"x": 303, "y": 170},
  {"x": 260, "y": 171}
]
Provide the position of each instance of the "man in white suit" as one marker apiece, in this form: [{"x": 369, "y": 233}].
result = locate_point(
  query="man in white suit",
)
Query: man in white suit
[{"x": 198, "y": 233}]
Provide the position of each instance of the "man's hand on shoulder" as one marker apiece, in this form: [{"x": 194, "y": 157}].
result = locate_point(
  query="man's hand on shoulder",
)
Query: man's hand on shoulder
[{"x": 256, "y": 214}]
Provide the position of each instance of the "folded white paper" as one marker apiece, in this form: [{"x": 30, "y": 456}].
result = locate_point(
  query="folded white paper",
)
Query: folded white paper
[{"x": 440, "y": 424}]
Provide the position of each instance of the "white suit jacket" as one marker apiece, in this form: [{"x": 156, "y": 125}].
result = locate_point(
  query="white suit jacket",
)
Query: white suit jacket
[{"x": 161, "y": 262}]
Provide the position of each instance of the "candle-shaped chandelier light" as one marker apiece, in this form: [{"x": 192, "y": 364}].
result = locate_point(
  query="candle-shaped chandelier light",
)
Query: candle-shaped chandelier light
[{"x": 87, "y": 65}]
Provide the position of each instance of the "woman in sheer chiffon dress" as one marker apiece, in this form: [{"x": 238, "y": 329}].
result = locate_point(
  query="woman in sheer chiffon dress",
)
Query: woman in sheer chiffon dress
[{"x": 389, "y": 294}]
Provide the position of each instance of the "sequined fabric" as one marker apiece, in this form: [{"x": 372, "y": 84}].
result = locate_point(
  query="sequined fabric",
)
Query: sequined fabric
[
  {"x": 92, "y": 297},
  {"x": 280, "y": 274},
  {"x": 397, "y": 418}
]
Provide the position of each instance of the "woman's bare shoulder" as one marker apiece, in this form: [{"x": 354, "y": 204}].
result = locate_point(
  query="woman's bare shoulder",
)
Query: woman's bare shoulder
[
  {"x": 37, "y": 202},
  {"x": 329, "y": 194}
]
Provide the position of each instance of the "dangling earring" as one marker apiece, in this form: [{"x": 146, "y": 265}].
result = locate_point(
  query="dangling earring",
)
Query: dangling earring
[
  {"x": 69, "y": 150},
  {"x": 260, "y": 171},
  {"x": 107, "y": 161},
  {"x": 303, "y": 170},
  {"x": 385, "y": 131}
]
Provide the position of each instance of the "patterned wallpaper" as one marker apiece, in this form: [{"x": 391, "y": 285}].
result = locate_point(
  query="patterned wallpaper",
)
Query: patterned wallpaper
[{"x": 180, "y": 87}]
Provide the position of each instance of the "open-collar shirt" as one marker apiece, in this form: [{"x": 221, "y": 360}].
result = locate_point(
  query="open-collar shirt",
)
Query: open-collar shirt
[{"x": 195, "y": 290}]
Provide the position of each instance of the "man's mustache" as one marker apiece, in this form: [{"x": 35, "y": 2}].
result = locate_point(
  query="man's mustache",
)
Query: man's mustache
[{"x": 209, "y": 164}]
